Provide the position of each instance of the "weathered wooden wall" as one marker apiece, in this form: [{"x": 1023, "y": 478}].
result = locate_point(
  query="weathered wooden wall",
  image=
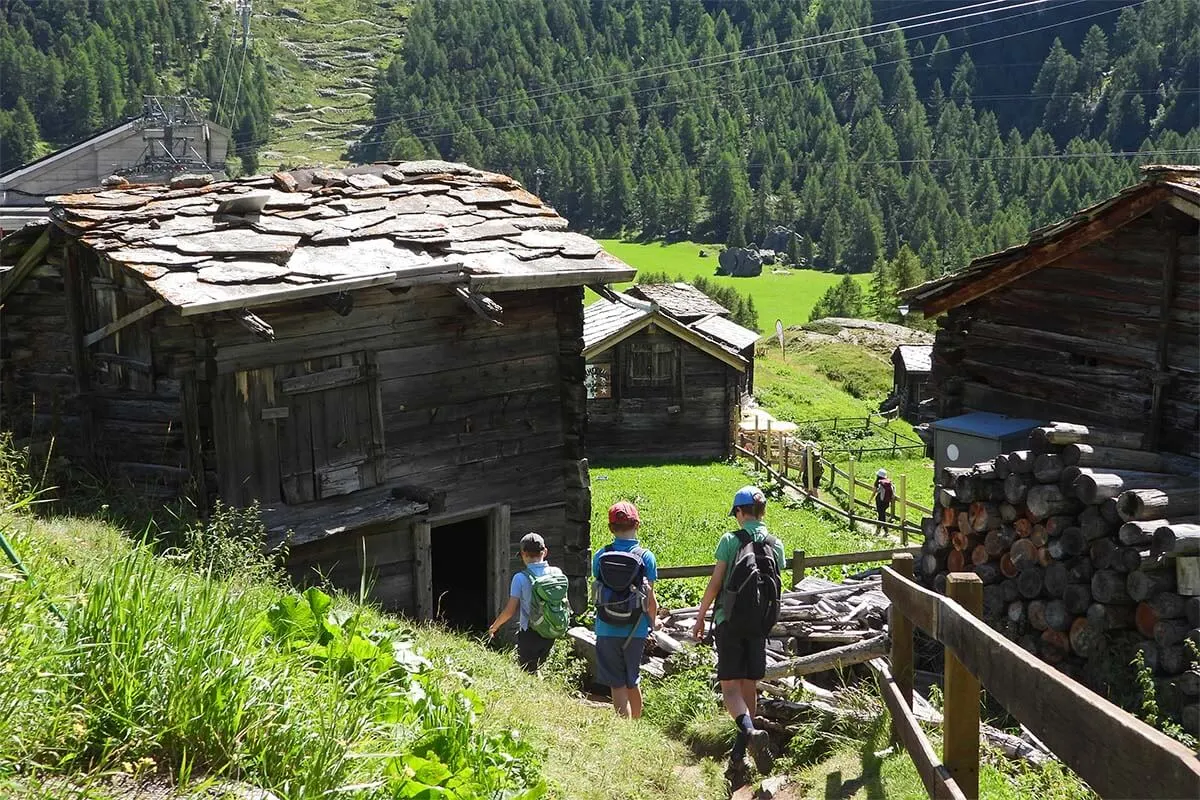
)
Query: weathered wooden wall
[
  {"x": 115, "y": 407},
  {"x": 1078, "y": 341},
  {"x": 638, "y": 421},
  {"x": 489, "y": 415}
]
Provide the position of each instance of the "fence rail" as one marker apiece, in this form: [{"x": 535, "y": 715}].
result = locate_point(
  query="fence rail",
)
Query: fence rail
[
  {"x": 1117, "y": 754},
  {"x": 801, "y": 561},
  {"x": 867, "y": 423},
  {"x": 898, "y": 522}
]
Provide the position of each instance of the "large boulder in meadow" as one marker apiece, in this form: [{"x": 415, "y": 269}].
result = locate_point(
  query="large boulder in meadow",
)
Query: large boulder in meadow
[
  {"x": 740, "y": 262},
  {"x": 777, "y": 239}
]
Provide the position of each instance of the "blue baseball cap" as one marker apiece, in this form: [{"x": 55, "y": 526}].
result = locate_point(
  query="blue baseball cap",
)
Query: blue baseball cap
[{"x": 747, "y": 496}]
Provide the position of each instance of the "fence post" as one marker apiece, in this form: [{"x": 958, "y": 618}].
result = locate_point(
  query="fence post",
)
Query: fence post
[
  {"x": 767, "y": 454},
  {"x": 901, "y": 629},
  {"x": 902, "y": 490},
  {"x": 808, "y": 467},
  {"x": 783, "y": 460},
  {"x": 797, "y": 567},
  {"x": 850, "y": 489},
  {"x": 960, "y": 728}
]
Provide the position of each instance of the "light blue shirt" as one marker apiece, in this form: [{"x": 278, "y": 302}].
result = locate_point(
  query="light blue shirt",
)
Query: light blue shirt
[
  {"x": 522, "y": 588},
  {"x": 643, "y": 626}
]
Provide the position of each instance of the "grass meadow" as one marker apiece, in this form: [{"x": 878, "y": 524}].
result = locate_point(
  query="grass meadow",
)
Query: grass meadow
[{"x": 789, "y": 296}]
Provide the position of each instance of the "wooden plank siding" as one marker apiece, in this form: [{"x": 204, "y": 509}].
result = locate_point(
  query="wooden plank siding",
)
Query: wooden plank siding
[
  {"x": 488, "y": 414},
  {"x": 126, "y": 422},
  {"x": 689, "y": 418},
  {"x": 1078, "y": 340}
]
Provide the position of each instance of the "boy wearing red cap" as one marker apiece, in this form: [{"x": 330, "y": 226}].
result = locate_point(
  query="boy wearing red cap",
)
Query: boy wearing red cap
[
  {"x": 741, "y": 655},
  {"x": 626, "y": 608}
]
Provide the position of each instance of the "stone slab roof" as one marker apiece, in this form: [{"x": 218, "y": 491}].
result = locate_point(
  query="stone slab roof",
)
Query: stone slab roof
[{"x": 236, "y": 244}]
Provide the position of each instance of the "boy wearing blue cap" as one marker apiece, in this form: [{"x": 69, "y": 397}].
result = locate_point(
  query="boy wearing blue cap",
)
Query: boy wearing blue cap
[{"x": 746, "y": 578}]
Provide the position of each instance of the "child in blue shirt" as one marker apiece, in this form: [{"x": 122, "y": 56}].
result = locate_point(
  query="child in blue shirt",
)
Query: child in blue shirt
[
  {"x": 619, "y": 648},
  {"x": 532, "y": 648}
]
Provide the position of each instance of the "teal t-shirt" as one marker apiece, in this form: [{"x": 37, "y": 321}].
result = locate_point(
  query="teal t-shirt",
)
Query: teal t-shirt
[{"x": 727, "y": 549}]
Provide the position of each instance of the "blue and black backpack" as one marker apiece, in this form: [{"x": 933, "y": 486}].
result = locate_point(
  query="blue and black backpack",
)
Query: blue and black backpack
[{"x": 619, "y": 591}]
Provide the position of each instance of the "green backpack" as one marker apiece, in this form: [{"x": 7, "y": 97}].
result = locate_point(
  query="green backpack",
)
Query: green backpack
[{"x": 549, "y": 609}]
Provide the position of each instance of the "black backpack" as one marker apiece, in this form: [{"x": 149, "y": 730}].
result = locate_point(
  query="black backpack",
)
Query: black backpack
[
  {"x": 618, "y": 590},
  {"x": 752, "y": 589}
]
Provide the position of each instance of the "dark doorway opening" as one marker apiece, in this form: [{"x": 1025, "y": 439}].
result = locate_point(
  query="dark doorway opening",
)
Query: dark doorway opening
[{"x": 459, "y": 560}]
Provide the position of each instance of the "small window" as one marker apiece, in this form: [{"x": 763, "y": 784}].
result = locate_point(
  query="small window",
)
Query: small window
[
  {"x": 598, "y": 380},
  {"x": 651, "y": 365}
]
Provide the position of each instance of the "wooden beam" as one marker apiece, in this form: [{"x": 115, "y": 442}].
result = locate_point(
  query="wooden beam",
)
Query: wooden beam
[
  {"x": 289, "y": 293},
  {"x": 423, "y": 569},
  {"x": 1159, "y": 384},
  {"x": 833, "y": 658},
  {"x": 116, "y": 325},
  {"x": 484, "y": 307},
  {"x": 901, "y": 630},
  {"x": 937, "y": 779},
  {"x": 13, "y": 278},
  {"x": 1186, "y": 206},
  {"x": 921, "y": 606},
  {"x": 1111, "y": 219},
  {"x": 960, "y": 745}
]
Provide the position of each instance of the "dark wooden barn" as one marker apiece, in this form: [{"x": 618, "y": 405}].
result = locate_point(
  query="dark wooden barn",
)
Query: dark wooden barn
[
  {"x": 387, "y": 359},
  {"x": 910, "y": 380},
  {"x": 1095, "y": 320},
  {"x": 659, "y": 388}
]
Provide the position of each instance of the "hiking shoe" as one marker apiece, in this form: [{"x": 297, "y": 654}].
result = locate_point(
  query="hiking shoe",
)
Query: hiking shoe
[
  {"x": 759, "y": 744},
  {"x": 737, "y": 773}
]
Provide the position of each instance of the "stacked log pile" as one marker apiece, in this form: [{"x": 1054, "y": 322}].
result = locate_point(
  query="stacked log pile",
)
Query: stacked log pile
[{"x": 1076, "y": 542}]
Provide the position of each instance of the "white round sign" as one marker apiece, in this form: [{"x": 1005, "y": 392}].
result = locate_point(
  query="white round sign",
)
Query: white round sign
[{"x": 952, "y": 452}]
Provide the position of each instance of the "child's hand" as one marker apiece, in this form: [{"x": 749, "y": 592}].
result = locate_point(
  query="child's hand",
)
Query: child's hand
[{"x": 698, "y": 629}]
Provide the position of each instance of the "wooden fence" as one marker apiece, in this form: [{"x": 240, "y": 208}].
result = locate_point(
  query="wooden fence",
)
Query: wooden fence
[
  {"x": 801, "y": 561},
  {"x": 901, "y": 505},
  {"x": 1117, "y": 754},
  {"x": 910, "y": 444}
]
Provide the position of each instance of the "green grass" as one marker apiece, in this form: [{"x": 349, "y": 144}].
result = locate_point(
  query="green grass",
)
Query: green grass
[
  {"x": 789, "y": 297},
  {"x": 685, "y": 510},
  {"x": 160, "y": 669}
]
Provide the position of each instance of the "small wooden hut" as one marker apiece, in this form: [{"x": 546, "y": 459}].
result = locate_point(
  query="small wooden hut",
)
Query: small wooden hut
[
  {"x": 1094, "y": 320},
  {"x": 387, "y": 359},
  {"x": 659, "y": 388},
  {"x": 910, "y": 379}
]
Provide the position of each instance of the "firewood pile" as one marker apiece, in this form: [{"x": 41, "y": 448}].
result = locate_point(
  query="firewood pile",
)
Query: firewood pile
[{"x": 1077, "y": 542}]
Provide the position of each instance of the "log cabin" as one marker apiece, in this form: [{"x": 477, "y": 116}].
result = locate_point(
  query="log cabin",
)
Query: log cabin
[
  {"x": 910, "y": 380},
  {"x": 1095, "y": 320},
  {"x": 660, "y": 388},
  {"x": 386, "y": 359}
]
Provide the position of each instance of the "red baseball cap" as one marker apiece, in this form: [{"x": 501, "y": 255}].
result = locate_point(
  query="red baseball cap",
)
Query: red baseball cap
[{"x": 623, "y": 513}]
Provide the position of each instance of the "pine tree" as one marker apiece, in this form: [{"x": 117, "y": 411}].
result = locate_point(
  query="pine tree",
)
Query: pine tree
[
  {"x": 880, "y": 294},
  {"x": 81, "y": 93},
  {"x": 831, "y": 240},
  {"x": 730, "y": 201}
]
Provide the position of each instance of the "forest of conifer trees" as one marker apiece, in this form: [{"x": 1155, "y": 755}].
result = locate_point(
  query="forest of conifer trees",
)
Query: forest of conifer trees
[
  {"x": 72, "y": 67},
  {"x": 718, "y": 120}
]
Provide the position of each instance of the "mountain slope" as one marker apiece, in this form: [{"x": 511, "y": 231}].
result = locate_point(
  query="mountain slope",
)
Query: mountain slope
[{"x": 323, "y": 56}]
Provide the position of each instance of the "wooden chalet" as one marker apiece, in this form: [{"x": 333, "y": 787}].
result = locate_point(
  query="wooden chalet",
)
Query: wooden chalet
[
  {"x": 659, "y": 388},
  {"x": 910, "y": 379},
  {"x": 1094, "y": 320},
  {"x": 387, "y": 359}
]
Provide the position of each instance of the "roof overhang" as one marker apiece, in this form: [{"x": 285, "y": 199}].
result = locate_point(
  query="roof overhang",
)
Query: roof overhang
[
  {"x": 68, "y": 152},
  {"x": 677, "y": 329}
]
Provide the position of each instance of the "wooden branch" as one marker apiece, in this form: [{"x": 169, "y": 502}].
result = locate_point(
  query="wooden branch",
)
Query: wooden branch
[
  {"x": 255, "y": 324},
  {"x": 833, "y": 658},
  {"x": 13, "y": 278},
  {"x": 1147, "y": 504},
  {"x": 116, "y": 325},
  {"x": 1176, "y": 540},
  {"x": 484, "y": 306}
]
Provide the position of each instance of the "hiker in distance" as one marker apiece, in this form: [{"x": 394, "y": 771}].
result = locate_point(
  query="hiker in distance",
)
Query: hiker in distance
[
  {"x": 746, "y": 588},
  {"x": 626, "y": 609},
  {"x": 539, "y": 592},
  {"x": 884, "y": 492}
]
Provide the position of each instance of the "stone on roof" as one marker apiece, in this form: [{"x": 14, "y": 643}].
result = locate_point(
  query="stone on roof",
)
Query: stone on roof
[
  {"x": 235, "y": 244},
  {"x": 727, "y": 332},
  {"x": 915, "y": 357},
  {"x": 680, "y": 300},
  {"x": 604, "y": 318}
]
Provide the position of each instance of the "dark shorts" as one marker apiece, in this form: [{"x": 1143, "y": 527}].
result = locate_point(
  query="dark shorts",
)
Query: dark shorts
[
  {"x": 739, "y": 658},
  {"x": 532, "y": 650},
  {"x": 618, "y": 666}
]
